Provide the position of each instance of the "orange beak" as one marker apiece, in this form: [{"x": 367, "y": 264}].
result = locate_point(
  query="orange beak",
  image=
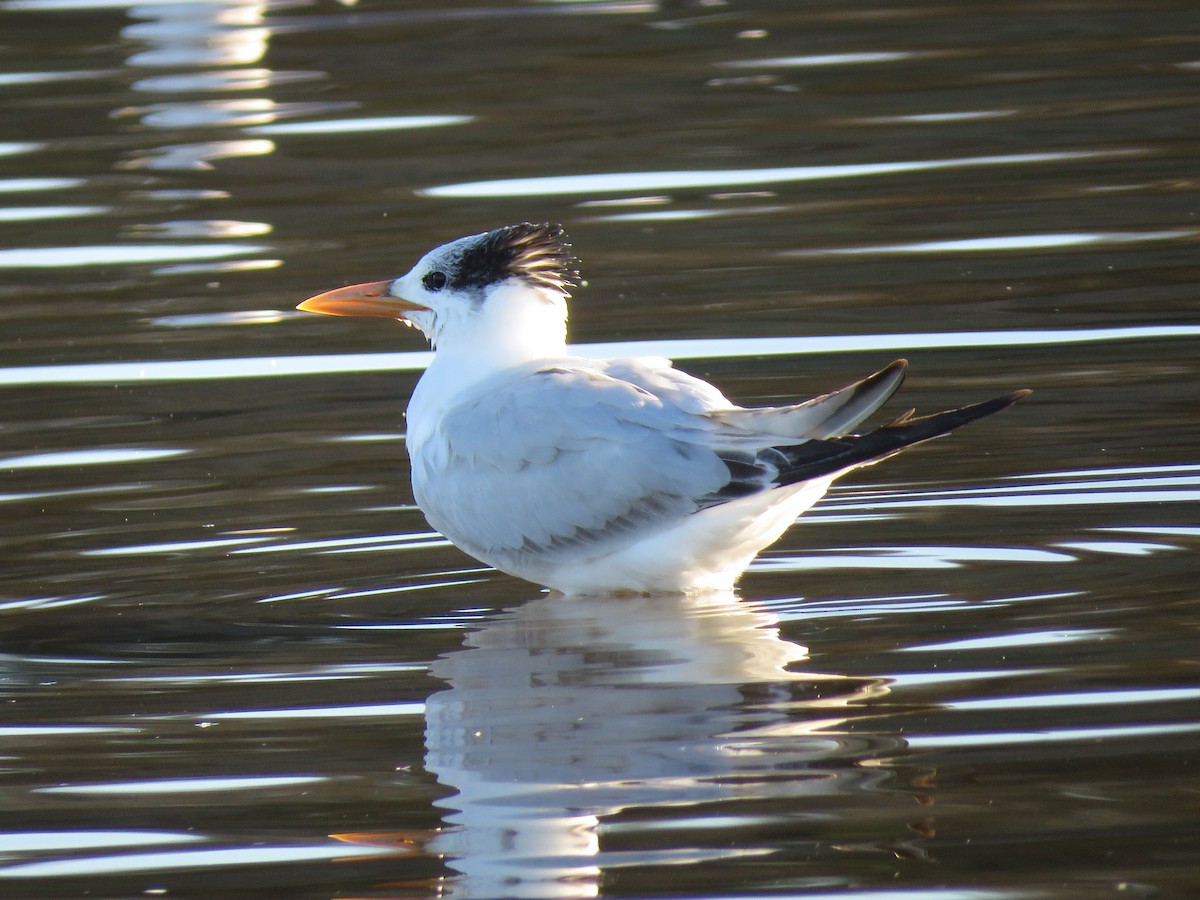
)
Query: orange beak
[{"x": 371, "y": 299}]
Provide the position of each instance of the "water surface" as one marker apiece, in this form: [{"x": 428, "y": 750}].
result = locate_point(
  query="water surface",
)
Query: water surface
[{"x": 236, "y": 660}]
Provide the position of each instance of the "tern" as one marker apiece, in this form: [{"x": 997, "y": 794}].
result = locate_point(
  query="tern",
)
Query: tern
[{"x": 602, "y": 475}]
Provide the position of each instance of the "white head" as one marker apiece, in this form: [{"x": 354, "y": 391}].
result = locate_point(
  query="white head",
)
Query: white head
[{"x": 505, "y": 290}]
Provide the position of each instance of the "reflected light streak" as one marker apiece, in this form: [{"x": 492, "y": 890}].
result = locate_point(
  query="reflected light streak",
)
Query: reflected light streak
[
  {"x": 1119, "y": 470},
  {"x": 708, "y": 348},
  {"x": 173, "y": 547},
  {"x": 232, "y": 317},
  {"x": 1162, "y": 489},
  {"x": 322, "y": 712},
  {"x": 1117, "y": 548},
  {"x": 182, "y": 35},
  {"x": 206, "y": 113},
  {"x": 13, "y": 148},
  {"x": 118, "y": 254},
  {"x": 386, "y": 548},
  {"x": 59, "y": 5},
  {"x": 905, "y": 558},
  {"x": 871, "y": 608},
  {"x": 222, "y": 80},
  {"x": 183, "y": 785},
  {"x": 935, "y": 118},
  {"x": 315, "y": 594},
  {"x": 203, "y": 228},
  {"x": 240, "y": 265},
  {"x": 321, "y": 673},
  {"x": 87, "y": 457},
  {"x": 423, "y": 538},
  {"x": 416, "y": 626},
  {"x": 196, "y": 157},
  {"x": 346, "y": 126},
  {"x": 9, "y": 78},
  {"x": 1006, "y": 641},
  {"x": 925, "y": 679},
  {"x": 50, "y": 602},
  {"x": 1008, "y": 242},
  {"x": 993, "y": 738},
  {"x": 685, "y": 215},
  {"x": 186, "y": 859},
  {"x": 16, "y": 731},
  {"x": 659, "y": 181},
  {"x": 367, "y": 438},
  {"x": 37, "y": 213},
  {"x": 1180, "y": 530},
  {"x": 1078, "y": 699},
  {"x": 19, "y": 185},
  {"x": 247, "y": 111},
  {"x": 34, "y": 841},
  {"x": 1033, "y": 499},
  {"x": 827, "y": 59}
]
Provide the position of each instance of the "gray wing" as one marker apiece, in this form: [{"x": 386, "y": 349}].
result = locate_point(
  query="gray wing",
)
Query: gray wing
[
  {"x": 829, "y": 415},
  {"x": 826, "y": 416},
  {"x": 560, "y": 457},
  {"x": 657, "y": 375},
  {"x": 569, "y": 458},
  {"x": 769, "y": 448}
]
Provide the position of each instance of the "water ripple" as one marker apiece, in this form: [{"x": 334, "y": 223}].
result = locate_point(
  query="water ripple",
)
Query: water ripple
[
  {"x": 1046, "y": 491},
  {"x": 149, "y": 862},
  {"x": 1079, "y": 699},
  {"x": 73, "y": 458},
  {"x": 173, "y": 547},
  {"x": 905, "y": 558},
  {"x": 346, "y": 126},
  {"x": 118, "y": 254},
  {"x": 661, "y": 181},
  {"x": 20, "y": 185},
  {"x": 38, "y": 213},
  {"x": 183, "y": 785},
  {"x": 1022, "y": 639},
  {"x": 322, "y": 712},
  {"x": 22, "y": 78},
  {"x": 821, "y": 60},
  {"x": 1007, "y": 243},
  {"x": 708, "y": 348},
  {"x": 1049, "y": 735},
  {"x": 33, "y": 841}
]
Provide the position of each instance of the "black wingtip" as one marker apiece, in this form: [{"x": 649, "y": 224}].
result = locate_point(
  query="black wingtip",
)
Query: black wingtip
[
  {"x": 824, "y": 457},
  {"x": 921, "y": 428},
  {"x": 987, "y": 407}
]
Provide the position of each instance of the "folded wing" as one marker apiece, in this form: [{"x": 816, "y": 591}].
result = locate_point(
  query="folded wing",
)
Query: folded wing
[{"x": 569, "y": 456}]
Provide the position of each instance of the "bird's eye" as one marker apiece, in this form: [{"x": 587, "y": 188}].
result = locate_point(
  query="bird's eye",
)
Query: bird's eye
[{"x": 434, "y": 281}]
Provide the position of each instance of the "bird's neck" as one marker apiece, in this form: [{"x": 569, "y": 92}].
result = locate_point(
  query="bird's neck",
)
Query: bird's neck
[
  {"x": 514, "y": 325},
  {"x": 511, "y": 329}
]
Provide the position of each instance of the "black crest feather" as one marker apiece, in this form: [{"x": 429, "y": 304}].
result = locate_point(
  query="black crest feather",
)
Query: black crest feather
[{"x": 540, "y": 254}]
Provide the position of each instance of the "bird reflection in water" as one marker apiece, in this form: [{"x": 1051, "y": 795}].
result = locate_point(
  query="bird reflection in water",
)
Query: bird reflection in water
[{"x": 564, "y": 712}]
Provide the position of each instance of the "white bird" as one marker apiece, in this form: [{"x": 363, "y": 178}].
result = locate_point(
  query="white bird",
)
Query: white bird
[{"x": 599, "y": 476}]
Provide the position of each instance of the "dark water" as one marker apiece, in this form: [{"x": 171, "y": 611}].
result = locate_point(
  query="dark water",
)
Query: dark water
[{"x": 237, "y": 663}]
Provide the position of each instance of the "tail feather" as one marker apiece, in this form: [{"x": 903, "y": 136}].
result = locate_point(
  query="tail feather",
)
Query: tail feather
[
  {"x": 826, "y": 416},
  {"x": 815, "y": 458}
]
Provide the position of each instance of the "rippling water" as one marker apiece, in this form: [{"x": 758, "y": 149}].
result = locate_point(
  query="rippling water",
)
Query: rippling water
[{"x": 236, "y": 661}]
